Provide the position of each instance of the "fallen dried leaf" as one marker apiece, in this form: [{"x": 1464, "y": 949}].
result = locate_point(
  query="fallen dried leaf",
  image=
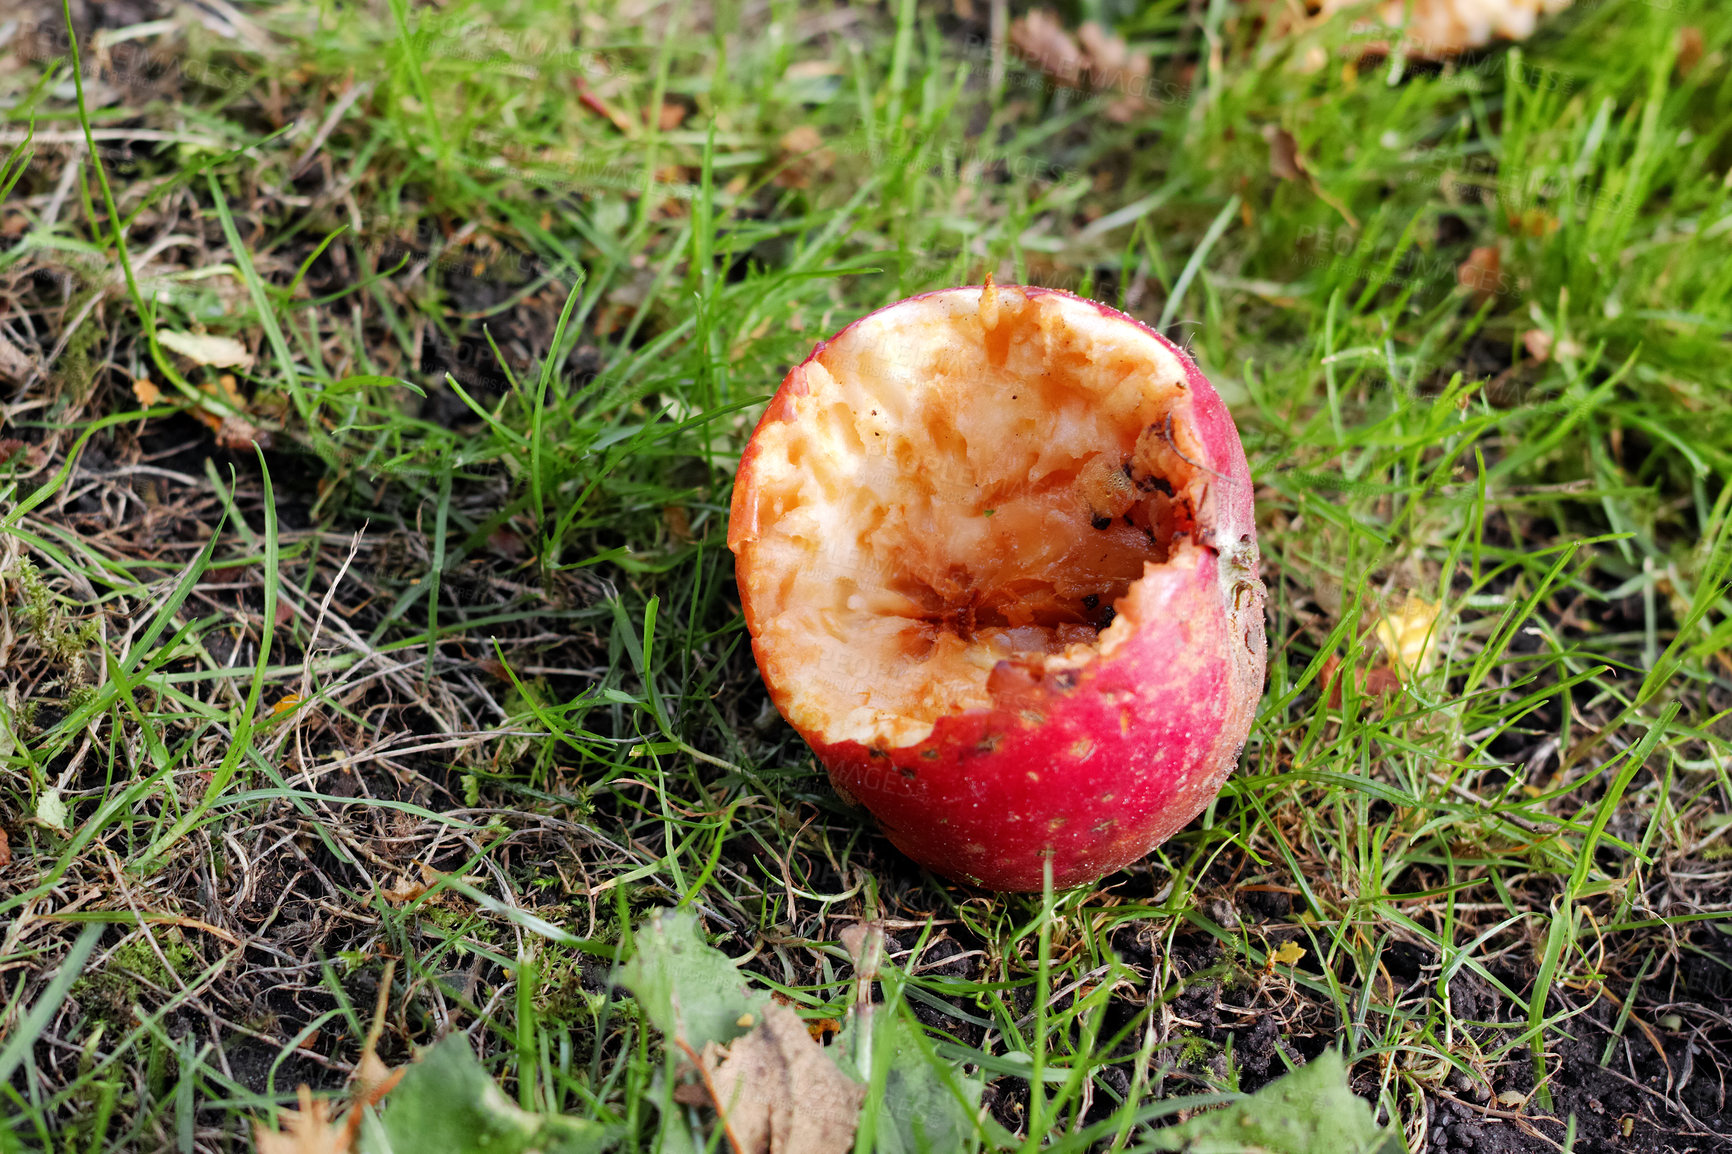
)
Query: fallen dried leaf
[
  {"x": 233, "y": 432},
  {"x": 804, "y": 138},
  {"x": 805, "y": 156},
  {"x": 679, "y": 524},
  {"x": 508, "y": 543},
  {"x": 1286, "y": 162},
  {"x": 217, "y": 352},
  {"x": 1113, "y": 67},
  {"x": 402, "y": 890},
  {"x": 1481, "y": 272},
  {"x": 1429, "y": 29},
  {"x": 238, "y": 436},
  {"x": 1042, "y": 40},
  {"x": 308, "y": 1130},
  {"x": 1284, "y": 159},
  {"x": 1538, "y": 343},
  {"x": 1094, "y": 57},
  {"x": 14, "y": 365},
  {"x": 5, "y": 850},
  {"x": 1690, "y": 49},
  {"x": 1379, "y": 681},
  {"x": 778, "y": 1093}
]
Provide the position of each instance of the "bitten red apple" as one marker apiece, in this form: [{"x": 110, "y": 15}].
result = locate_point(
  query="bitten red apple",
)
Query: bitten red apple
[{"x": 997, "y": 555}]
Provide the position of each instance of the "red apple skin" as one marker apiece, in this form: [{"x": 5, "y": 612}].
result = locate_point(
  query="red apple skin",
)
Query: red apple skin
[{"x": 1090, "y": 775}]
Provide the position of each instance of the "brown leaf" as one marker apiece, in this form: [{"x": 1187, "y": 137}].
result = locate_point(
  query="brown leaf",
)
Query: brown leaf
[
  {"x": 777, "y": 1093},
  {"x": 402, "y": 890},
  {"x": 1432, "y": 29},
  {"x": 1040, "y": 39},
  {"x": 690, "y": 1093},
  {"x": 5, "y": 850},
  {"x": 1538, "y": 343},
  {"x": 804, "y": 138},
  {"x": 1284, "y": 159},
  {"x": 673, "y": 115},
  {"x": 374, "y": 1079},
  {"x": 1113, "y": 67},
  {"x": 679, "y": 523},
  {"x": 308, "y": 1130},
  {"x": 238, "y": 436},
  {"x": 508, "y": 543},
  {"x": 804, "y": 156},
  {"x": 1379, "y": 681},
  {"x": 1382, "y": 681},
  {"x": 1690, "y": 48},
  {"x": 1481, "y": 271},
  {"x": 14, "y": 365}
]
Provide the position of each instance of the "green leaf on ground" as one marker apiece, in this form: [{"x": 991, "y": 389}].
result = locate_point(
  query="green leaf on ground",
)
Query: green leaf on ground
[
  {"x": 926, "y": 1107},
  {"x": 1309, "y": 1111},
  {"x": 690, "y": 991},
  {"x": 447, "y": 1103}
]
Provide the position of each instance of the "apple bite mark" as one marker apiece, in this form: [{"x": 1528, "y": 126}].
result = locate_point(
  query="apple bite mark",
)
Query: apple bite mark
[{"x": 989, "y": 542}]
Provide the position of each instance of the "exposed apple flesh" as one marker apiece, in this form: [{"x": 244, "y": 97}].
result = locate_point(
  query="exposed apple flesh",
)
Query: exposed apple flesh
[{"x": 997, "y": 556}]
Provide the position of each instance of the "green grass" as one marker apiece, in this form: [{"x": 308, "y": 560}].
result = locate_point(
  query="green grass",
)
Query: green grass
[{"x": 530, "y": 672}]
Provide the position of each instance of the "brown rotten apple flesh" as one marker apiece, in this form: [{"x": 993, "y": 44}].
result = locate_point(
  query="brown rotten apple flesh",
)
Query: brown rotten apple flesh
[{"x": 996, "y": 552}]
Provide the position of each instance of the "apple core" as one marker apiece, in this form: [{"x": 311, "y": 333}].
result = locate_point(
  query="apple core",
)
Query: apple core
[{"x": 969, "y": 503}]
